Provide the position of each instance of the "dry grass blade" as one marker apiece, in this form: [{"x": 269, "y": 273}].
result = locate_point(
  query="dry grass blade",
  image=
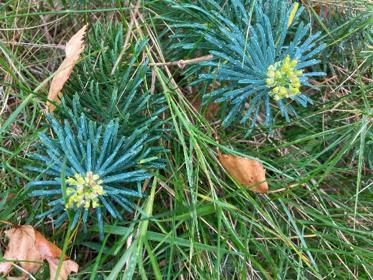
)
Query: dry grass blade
[{"x": 73, "y": 49}]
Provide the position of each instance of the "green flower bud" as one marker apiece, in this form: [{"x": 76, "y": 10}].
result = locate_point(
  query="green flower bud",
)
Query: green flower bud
[
  {"x": 86, "y": 191},
  {"x": 284, "y": 79}
]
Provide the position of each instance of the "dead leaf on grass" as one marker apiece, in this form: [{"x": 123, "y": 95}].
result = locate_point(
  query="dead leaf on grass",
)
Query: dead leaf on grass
[
  {"x": 67, "y": 267},
  {"x": 247, "y": 172},
  {"x": 52, "y": 253},
  {"x": 73, "y": 49},
  {"x": 29, "y": 247},
  {"x": 21, "y": 247}
]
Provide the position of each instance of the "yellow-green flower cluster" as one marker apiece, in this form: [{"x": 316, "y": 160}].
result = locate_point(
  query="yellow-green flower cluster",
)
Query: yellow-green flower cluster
[
  {"x": 283, "y": 78},
  {"x": 84, "y": 191}
]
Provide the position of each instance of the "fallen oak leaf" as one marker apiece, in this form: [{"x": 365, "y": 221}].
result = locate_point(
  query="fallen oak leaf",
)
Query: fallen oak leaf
[
  {"x": 73, "y": 49},
  {"x": 26, "y": 243},
  {"x": 248, "y": 172}
]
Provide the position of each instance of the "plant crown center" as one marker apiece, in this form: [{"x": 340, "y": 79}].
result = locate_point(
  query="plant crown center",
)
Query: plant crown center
[
  {"x": 283, "y": 78},
  {"x": 84, "y": 190}
]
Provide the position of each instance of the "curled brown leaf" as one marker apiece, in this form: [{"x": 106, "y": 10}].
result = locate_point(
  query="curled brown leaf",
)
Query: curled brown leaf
[{"x": 73, "y": 49}]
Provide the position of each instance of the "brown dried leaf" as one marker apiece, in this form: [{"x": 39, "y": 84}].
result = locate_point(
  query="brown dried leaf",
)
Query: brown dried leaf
[
  {"x": 67, "y": 267},
  {"x": 26, "y": 243},
  {"x": 21, "y": 247},
  {"x": 73, "y": 49},
  {"x": 50, "y": 252},
  {"x": 247, "y": 172},
  {"x": 46, "y": 248}
]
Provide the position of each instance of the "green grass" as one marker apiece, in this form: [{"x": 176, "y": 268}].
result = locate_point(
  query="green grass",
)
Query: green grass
[{"x": 195, "y": 222}]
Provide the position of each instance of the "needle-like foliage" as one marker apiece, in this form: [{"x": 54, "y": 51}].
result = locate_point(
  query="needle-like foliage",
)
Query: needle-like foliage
[
  {"x": 108, "y": 141},
  {"x": 90, "y": 168},
  {"x": 262, "y": 56},
  {"x": 112, "y": 80}
]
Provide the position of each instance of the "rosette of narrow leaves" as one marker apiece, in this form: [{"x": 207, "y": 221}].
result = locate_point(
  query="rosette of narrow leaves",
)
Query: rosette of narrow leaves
[
  {"x": 211, "y": 18},
  {"x": 262, "y": 53},
  {"x": 111, "y": 80},
  {"x": 91, "y": 171}
]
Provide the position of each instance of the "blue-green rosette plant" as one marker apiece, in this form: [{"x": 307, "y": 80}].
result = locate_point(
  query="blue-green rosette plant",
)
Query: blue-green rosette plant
[
  {"x": 263, "y": 54},
  {"x": 112, "y": 82},
  {"x": 91, "y": 170},
  {"x": 106, "y": 135}
]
